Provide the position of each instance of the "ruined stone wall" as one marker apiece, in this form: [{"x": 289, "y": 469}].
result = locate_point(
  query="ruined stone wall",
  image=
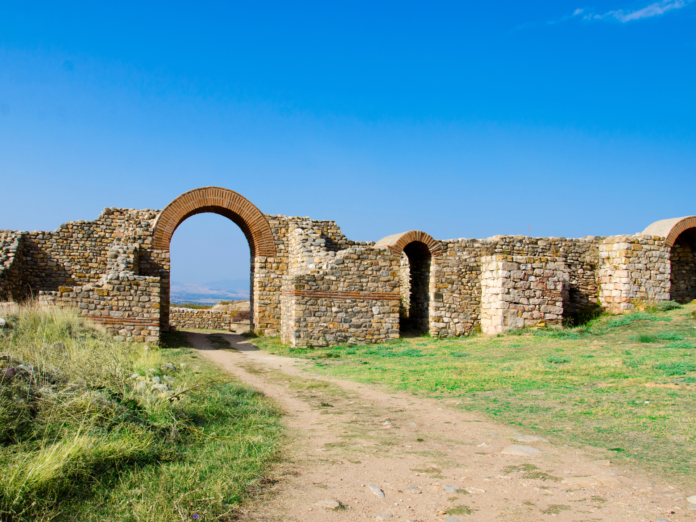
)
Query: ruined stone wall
[
  {"x": 76, "y": 253},
  {"x": 314, "y": 286},
  {"x": 633, "y": 268},
  {"x": 456, "y": 301},
  {"x": 521, "y": 291},
  {"x": 348, "y": 292},
  {"x": 11, "y": 259},
  {"x": 181, "y": 318}
]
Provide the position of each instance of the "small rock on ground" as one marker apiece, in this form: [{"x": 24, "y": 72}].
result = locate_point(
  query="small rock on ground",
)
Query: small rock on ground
[
  {"x": 383, "y": 516},
  {"x": 328, "y": 504},
  {"x": 413, "y": 490},
  {"x": 691, "y": 499},
  {"x": 529, "y": 438},
  {"x": 452, "y": 519},
  {"x": 449, "y": 488},
  {"x": 521, "y": 451},
  {"x": 377, "y": 491}
]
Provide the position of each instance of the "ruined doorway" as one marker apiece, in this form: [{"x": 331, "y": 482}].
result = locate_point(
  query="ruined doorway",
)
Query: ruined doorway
[
  {"x": 210, "y": 269},
  {"x": 237, "y": 209},
  {"x": 415, "y": 289},
  {"x": 682, "y": 258}
]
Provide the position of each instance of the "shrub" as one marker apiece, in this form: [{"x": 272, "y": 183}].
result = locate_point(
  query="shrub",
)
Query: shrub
[{"x": 664, "y": 306}]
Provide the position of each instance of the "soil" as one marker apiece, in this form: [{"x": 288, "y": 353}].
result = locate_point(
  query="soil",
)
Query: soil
[{"x": 431, "y": 461}]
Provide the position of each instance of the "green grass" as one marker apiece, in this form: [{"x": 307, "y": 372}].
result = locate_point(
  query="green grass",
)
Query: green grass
[
  {"x": 621, "y": 383},
  {"x": 193, "y": 306},
  {"x": 83, "y": 435}
]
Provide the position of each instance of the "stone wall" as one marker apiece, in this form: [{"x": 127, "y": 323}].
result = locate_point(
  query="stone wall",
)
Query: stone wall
[
  {"x": 520, "y": 291},
  {"x": 455, "y": 308},
  {"x": 313, "y": 286},
  {"x": 633, "y": 268},
  {"x": 348, "y": 292},
  {"x": 183, "y": 318},
  {"x": 11, "y": 259}
]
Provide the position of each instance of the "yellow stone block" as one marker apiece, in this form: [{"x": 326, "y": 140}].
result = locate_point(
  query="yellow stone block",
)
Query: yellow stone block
[{"x": 64, "y": 289}]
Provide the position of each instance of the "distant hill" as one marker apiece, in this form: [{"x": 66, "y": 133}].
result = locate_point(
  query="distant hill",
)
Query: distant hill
[{"x": 209, "y": 293}]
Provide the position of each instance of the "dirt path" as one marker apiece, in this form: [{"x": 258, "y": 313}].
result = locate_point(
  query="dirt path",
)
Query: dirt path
[{"x": 394, "y": 456}]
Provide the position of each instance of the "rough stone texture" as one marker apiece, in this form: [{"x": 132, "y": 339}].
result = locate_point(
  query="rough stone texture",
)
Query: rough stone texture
[
  {"x": 181, "y": 318},
  {"x": 313, "y": 286},
  {"x": 633, "y": 269},
  {"x": 519, "y": 291},
  {"x": 11, "y": 258}
]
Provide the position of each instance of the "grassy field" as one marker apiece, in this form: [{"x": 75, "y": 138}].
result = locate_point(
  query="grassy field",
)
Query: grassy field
[
  {"x": 87, "y": 433},
  {"x": 622, "y": 383}
]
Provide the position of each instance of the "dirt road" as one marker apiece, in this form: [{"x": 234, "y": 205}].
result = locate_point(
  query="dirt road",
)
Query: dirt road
[{"x": 359, "y": 452}]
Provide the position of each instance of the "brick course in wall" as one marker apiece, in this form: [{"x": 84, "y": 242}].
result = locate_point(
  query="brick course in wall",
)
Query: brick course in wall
[{"x": 313, "y": 286}]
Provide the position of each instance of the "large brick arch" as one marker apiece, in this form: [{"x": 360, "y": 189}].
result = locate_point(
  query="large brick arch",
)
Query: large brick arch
[
  {"x": 397, "y": 242},
  {"x": 670, "y": 229},
  {"x": 220, "y": 201}
]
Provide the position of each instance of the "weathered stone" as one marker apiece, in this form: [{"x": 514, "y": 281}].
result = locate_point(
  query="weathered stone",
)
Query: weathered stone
[{"x": 522, "y": 451}]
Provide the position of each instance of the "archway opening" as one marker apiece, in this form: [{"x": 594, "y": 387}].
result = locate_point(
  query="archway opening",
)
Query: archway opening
[
  {"x": 210, "y": 267},
  {"x": 415, "y": 288},
  {"x": 683, "y": 267}
]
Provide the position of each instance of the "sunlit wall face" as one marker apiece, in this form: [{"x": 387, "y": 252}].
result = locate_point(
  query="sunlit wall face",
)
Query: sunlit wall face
[{"x": 210, "y": 260}]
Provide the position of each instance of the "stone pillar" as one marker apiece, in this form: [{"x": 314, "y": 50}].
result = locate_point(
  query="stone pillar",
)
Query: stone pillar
[
  {"x": 521, "y": 291},
  {"x": 633, "y": 269}
]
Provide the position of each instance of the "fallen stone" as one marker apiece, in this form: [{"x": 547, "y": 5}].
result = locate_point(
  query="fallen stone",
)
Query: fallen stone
[
  {"x": 141, "y": 386},
  {"x": 3, "y": 323},
  {"x": 412, "y": 489},
  {"x": 134, "y": 376},
  {"x": 661, "y": 520},
  {"x": 412, "y": 424},
  {"x": 156, "y": 380},
  {"x": 529, "y": 438},
  {"x": 328, "y": 504},
  {"x": 691, "y": 499},
  {"x": 383, "y": 516},
  {"x": 452, "y": 519},
  {"x": 449, "y": 488},
  {"x": 377, "y": 491},
  {"x": 520, "y": 451},
  {"x": 168, "y": 367}
]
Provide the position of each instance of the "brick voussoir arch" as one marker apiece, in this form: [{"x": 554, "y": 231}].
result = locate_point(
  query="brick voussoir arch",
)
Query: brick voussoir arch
[
  {"x": 221, "y": 201},
  {"x": 670, "y": 229},
  {"x": 397, "y": 242}
]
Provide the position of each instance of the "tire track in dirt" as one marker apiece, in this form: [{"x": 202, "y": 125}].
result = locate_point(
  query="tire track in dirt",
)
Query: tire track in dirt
[{"x": 431, "y": 460}]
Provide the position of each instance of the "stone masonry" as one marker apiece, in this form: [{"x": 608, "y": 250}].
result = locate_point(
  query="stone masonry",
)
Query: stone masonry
[
  {"x": 519, "y": 291},
  {"x": 313, "y": 286}
]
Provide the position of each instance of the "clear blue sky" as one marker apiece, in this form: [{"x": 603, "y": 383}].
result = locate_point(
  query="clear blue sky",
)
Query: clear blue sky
[{"x": 463, "y": 119}]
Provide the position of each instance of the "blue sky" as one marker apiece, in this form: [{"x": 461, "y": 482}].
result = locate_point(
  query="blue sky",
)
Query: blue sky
[{"x": 462, "y": 119}]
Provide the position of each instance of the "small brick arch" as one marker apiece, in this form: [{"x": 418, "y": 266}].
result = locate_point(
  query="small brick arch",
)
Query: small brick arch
[
  {"x": 670, "y": 229},
  {"x": 220, "y": 201},
  {"x": 397, "y": 242}
]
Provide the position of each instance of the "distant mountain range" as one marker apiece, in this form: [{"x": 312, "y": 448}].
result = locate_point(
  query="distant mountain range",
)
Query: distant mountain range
[{"x": 209, "y": 293}]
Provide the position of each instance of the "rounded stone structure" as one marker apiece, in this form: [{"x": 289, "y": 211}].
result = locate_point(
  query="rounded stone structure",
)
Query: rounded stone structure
[
  {"x": 670, "y": 229},
  {"x": 397, "y": 242}
]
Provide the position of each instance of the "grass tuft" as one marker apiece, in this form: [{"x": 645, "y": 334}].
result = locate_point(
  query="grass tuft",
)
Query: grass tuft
[{"x": 95, "y": 429}]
